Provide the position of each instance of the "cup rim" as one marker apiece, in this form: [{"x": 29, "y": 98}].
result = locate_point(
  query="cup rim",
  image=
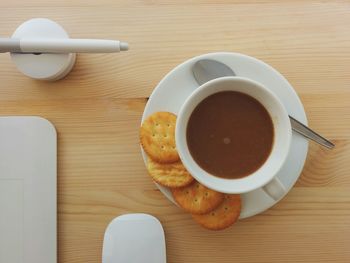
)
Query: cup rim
[{"x": 230, "y": 186}]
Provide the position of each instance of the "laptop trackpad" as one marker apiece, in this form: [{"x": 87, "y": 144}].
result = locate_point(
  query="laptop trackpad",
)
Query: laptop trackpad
[{"x": 11, "y": 221}]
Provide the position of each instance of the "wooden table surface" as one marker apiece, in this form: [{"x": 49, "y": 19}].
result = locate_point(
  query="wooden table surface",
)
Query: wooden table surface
[{"x": 98, "y": 107}]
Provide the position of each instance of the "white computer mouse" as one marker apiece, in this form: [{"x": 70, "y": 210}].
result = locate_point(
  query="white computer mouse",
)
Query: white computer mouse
[{"x": 134, "y": 238}]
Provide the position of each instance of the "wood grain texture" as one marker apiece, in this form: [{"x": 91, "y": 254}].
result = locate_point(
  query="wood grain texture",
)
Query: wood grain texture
[{"x": 97, "y": 111}]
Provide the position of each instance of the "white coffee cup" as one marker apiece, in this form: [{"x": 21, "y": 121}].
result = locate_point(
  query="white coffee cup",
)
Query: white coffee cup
[{"x": 265, "y": 176}]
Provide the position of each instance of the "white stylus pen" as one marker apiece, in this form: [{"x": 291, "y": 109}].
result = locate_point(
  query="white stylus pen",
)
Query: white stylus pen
[{"x": 59, "y": 45}]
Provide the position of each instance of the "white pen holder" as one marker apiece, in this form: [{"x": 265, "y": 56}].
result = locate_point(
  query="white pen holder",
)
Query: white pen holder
[{"x": 43, "y": 66}]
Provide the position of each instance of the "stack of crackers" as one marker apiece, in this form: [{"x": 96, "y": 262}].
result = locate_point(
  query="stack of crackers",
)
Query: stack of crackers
[{"x": 211, "y": 209}]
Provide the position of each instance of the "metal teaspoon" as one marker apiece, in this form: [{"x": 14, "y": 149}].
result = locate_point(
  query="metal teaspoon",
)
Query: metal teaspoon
[{"x": 207, "y": 69}]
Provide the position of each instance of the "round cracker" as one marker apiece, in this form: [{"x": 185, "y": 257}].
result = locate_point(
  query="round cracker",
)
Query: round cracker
[
  {"x": 223, "y": 216},
  {"x": 157, "y": 137},
  {"x": 169, "y": 174},
  {"x": 197, "y": 199}
]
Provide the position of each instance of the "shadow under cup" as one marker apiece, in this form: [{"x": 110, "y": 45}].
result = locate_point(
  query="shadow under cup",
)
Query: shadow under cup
[{"x": 263, "y": 176}]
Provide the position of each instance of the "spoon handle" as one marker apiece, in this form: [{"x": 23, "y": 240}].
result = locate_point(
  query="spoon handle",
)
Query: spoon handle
[{"x": 307, "y": 132}]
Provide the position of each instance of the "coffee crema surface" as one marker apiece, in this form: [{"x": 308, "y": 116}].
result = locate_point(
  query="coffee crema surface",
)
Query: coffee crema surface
[{"x": 230, "y": 134}]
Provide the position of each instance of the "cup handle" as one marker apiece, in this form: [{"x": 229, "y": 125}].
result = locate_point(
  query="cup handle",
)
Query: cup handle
[{"x": 275, "y": 189}]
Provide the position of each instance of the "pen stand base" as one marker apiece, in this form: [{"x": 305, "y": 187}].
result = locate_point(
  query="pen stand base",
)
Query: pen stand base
[{"x": 42, "y": 66}]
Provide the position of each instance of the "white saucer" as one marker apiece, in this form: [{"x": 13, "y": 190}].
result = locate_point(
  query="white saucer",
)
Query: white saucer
[{"x": 179, "y": 83}]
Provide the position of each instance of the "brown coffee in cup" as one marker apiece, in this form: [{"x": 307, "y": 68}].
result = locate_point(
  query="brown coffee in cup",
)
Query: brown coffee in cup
[{"x": 230, "y": 134}]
